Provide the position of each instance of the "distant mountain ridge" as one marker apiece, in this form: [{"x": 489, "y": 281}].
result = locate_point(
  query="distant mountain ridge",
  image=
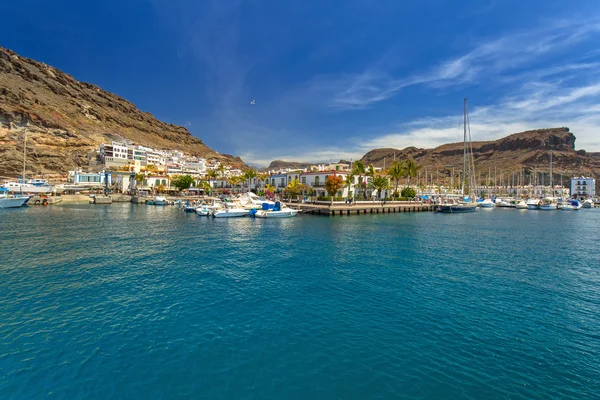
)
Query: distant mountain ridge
[
  {"x": 529, "y": 151},
  {"x": 66, "y": 119}
]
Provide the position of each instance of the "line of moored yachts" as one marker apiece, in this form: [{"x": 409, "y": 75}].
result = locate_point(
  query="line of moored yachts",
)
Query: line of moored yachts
[{"x": 246, "y": 205}]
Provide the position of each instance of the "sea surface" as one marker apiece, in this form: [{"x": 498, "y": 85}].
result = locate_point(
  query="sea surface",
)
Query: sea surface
[{"x": 141, "y": 302}]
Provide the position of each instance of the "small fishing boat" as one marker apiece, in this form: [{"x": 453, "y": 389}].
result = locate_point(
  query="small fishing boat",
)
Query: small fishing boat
[{"x": 588, "y": 203}]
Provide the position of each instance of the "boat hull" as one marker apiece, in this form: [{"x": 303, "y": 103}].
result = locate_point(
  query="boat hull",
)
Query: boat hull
[
  {"x": 276, "y": 214},
  {"x": 456, "y": 208},
  {"x": 13, "y": 202},
  {"x": 231, "y": 213},
  {"x": 29, "y": 189}
]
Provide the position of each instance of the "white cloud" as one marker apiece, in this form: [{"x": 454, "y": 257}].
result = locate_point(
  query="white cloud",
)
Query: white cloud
[{"x": 488, "y": 60}]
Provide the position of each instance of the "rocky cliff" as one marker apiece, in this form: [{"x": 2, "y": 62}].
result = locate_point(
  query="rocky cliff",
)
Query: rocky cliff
[
  {"x": 528, "y": 151},
  {"x": 66, "y": 119}
]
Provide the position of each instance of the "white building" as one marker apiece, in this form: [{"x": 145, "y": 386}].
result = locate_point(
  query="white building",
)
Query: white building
[{"x": 583, "y": 187}]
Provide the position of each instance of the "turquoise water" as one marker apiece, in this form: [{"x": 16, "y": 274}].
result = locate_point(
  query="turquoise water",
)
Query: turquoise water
[{"x": 128, "y": 301}]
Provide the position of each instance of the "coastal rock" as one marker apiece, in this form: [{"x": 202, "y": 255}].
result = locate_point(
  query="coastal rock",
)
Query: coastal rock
[{"x": 66, "y": 120}]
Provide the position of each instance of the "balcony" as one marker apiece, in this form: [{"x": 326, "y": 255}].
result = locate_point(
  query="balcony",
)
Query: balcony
[{"x": 318, "y": 184}]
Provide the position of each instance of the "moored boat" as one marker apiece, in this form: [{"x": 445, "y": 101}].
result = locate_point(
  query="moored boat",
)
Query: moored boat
[
  {"x": 276, "y": 212},
  {"x": 533, "y": 204},
  {"x": 11, "y": 201},
  {"x": 486, "y": 203},
  {"x": 159, "y": 201},
  {"x": 549, "y": 204},
  {"x": 521, "y": 205}
]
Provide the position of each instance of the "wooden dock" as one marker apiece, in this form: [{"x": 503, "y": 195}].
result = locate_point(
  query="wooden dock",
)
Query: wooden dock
[{"x": 362, "y": 208}]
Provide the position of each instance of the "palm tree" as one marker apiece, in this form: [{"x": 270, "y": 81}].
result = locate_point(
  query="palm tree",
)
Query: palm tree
[
  {"x": 380, "y": 183},
  {"x": 249, "y": 175},
  {"x": 396, "y": 172},
  {"x": 140, "y": 178},
  {"x": 263, "y": 177},
  {"x": 349, "y": 181},
  {"x": 412, "y": 169},
  {"x": 359, "y": 170}
]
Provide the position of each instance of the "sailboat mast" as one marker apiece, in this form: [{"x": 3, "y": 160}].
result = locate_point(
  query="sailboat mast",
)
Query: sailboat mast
[
  {"x": 464, "y": 144},
  {"x": 24, "y": 157},
  {"x": 551, "y": 175}
]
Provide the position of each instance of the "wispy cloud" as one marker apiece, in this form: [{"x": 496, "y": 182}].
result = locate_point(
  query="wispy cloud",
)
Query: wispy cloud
[{"x": 487, "y": 60}]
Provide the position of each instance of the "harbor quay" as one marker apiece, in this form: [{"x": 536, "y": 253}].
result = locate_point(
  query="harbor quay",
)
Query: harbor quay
[
  {"x": 313, "y": 208},
  {"x": 363, "y": 208}
]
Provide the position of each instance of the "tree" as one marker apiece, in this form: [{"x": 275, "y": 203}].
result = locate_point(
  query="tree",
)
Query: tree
[
  {"x": 182, "y": 182},
  {"x": 380, "y": 183},
  {"x": 270, "y": 191},
  {"x": 408, "y": 192},
  {"x": 151, "y": 168},
  {"x": 359, "y": 170},
  {"x": 295, "y": 188},
  {"x": 249, "y": 175},
  {"x": 140, "y": 178},
  {"x": 235, "y": 180},
  {"x": 333, "y": 184},
  {"x": 212, "y": 174},
  {"x": 263, "y": 178},
  {"x": 349, "y": 181},
  {"x": 160, "y": 188},
  {"x": 396, "y": 172},
  {"x": 412, "y": 169}
]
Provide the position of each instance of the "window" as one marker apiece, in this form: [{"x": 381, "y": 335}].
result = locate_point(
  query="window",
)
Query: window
[
  {"x": 317, "y": 180},
  {"x": 304, "y": 180},
  {"x": 164, "y": 182}
]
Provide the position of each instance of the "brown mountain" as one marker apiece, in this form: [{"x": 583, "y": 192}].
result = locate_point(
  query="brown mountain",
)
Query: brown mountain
[
  {"x": 526, "y": 151},
  {"x": 66, "y": 120},
  {"x": 281, "y": 164}
]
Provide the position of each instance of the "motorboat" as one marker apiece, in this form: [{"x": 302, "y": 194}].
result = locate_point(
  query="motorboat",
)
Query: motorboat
[
  {"x": 533, "y": 204},
  {"x": 159, "y": 201},
  {"x": 588, "y": 203},
  {"x": 11, "y": 201},
  {"x": 486, "y": 203},
  {"x": 549, "y": 204},
  {"x": 252, "y": 201},
  {"x": 203, "y": 211},
  {"x": 456, "y": 207},
  {"x": 276, "y": 212},
  {"x": 232, "y": 212},
  {"x": 522, "y": 205}
]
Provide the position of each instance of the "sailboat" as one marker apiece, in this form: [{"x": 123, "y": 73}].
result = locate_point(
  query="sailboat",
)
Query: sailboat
[
  {"x": 466, "y": 204},
  {"x": 31, "y": 186}
]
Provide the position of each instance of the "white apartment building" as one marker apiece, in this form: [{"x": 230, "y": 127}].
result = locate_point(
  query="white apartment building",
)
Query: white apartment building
[{"x": 583, "y": 187}]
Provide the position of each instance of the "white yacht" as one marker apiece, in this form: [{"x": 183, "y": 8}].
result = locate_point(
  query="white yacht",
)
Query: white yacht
[
  {"x": 29, "y": 186},
  {"x": 252, "y": 201},
  {"x": 588, "y": 203},
  {"x": 11, "y": 201}
]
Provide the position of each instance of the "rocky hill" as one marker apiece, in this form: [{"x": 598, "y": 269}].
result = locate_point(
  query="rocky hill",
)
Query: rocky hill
[
  {"x": 526, "y": 151},
  {"x": 281, "y": 164},
  {"x": 66, "y": 119}
]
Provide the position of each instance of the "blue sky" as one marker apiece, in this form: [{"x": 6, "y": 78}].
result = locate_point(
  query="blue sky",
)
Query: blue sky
[{"x": 331, "y": 79}]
